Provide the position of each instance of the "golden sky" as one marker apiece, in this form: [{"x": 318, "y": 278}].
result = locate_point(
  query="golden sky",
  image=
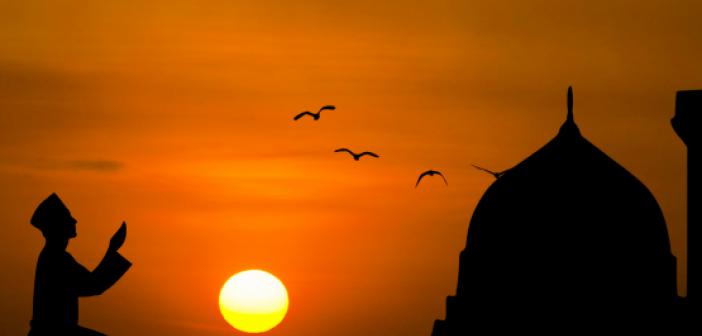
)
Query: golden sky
[{"x": 176, "y": 116}]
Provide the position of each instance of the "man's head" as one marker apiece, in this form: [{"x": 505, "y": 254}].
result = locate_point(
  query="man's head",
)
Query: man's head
[{"x": 53, "y": 219}]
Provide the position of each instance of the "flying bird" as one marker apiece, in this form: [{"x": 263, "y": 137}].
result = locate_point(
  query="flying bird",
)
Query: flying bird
[
  {"x": 430, "y": 173},
  {"x": 495, "y": 174},
  {"x": 356, "y": 156},
  {"x": 315, "y": 116}
]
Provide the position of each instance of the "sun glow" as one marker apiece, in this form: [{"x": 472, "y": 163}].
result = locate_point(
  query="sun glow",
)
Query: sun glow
[{"x": 253, "y": 301}]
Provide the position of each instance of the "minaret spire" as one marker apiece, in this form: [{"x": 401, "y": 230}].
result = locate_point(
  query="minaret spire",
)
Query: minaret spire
[
  {"x": 570, "y": 105},
  {"x": 569, "y": 126}
]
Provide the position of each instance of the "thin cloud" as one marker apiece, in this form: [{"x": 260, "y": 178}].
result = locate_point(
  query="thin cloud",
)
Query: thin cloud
[
  {"x": 104, "y": 166},
  {"x": 95, "y": 165}
]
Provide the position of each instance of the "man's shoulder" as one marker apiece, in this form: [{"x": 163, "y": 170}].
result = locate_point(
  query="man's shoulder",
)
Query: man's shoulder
[{"x": 55, "y": 256}]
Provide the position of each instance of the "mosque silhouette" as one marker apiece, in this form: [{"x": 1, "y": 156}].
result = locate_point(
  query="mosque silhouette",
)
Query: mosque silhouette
[{"x": 568, "y": 239}]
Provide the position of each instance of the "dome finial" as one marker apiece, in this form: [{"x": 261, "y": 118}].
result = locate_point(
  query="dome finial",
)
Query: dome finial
[
  {"x": 569, "y": 126},
  {"x": 570, "y": 104}
]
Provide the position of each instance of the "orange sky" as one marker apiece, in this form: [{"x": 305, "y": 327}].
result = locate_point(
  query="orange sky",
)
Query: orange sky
[{"x": 176, "y": 116}]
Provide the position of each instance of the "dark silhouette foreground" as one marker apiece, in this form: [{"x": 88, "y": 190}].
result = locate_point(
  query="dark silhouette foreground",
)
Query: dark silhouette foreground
[
  {"x": 60, "y": 279},
  {"x": 565, "y": 241}
]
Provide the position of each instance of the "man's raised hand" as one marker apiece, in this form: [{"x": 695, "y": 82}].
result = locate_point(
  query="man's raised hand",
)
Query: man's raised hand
[{"x": 118, "y": 238}]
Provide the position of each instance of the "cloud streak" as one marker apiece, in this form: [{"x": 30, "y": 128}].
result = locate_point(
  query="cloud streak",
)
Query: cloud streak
[{"x": 94, "y": 165}]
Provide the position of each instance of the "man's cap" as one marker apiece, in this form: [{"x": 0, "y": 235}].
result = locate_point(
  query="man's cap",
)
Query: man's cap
[{"x": 50, "y": 208}]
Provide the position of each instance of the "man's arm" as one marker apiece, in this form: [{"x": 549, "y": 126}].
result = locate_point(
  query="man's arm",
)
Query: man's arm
[{"x": 109, "y": 271}]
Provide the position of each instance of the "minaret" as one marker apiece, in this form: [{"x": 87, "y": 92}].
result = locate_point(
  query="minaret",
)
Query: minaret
[{"x": 688, "y": 111}]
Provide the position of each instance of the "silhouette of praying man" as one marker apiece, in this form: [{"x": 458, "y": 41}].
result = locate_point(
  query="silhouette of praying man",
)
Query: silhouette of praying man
[{"x": 60, "y": 279}]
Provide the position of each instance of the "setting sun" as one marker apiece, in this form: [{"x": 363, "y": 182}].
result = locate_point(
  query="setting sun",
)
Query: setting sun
[{"x": 253, "y": 301}]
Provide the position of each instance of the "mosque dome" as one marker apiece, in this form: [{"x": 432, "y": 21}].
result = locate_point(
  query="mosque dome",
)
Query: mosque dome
[{"x": 565, "y": 229}]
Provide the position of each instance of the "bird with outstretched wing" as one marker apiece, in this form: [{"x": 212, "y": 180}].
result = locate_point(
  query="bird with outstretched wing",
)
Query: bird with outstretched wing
[
  {"x": 430, "y": 173},
  {"x": 493, "y": 173},
  {"x": 356, "y": 156},
  {"x": 315, "y": 116}
]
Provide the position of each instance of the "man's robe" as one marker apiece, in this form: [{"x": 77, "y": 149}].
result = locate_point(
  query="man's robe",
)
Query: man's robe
[{"x": 59, "y": 281}]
